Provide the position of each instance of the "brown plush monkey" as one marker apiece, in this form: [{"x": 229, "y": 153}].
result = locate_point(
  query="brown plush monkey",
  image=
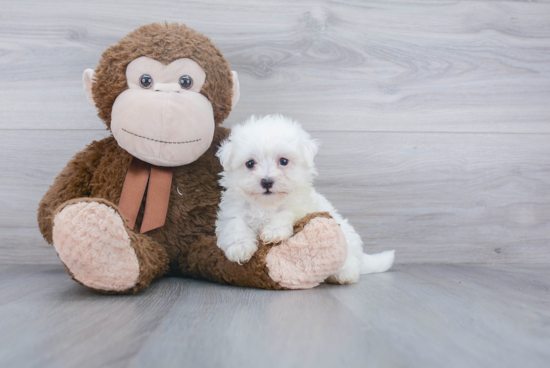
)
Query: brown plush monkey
[{"x": 142, "y": 203}]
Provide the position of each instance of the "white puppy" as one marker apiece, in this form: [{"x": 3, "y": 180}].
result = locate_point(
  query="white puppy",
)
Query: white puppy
[{"x": 268, "y": 176}]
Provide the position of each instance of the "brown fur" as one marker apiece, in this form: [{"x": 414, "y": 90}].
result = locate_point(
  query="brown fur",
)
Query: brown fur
[
  {"x": 186, "y": 244},
  {"x": 300, "y": 224},
  {"x": 253, "y": 273},
  {"x": 164, "y": 43}
]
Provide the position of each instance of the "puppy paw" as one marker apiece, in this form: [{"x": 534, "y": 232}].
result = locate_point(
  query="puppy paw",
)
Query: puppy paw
[
  {"x": 344, "y": 278},
  {"x": 348, "y": 274},
  {"x": 241, "y": 252},
  {"x": 275, "y": 233}
]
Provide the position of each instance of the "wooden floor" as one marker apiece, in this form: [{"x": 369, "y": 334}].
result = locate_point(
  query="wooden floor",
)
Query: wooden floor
[
  {"x": 434, "y": 118},
  {"x": 415, "y": 316}
]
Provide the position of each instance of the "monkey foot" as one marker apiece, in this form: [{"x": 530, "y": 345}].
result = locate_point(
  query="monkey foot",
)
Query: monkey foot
[
  {"x": 91, "y": 240},
  {"x": 310, "y": 256}
]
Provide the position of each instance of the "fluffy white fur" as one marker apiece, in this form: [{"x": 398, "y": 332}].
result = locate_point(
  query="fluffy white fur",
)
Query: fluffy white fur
[{"x": 248, "y": 209}]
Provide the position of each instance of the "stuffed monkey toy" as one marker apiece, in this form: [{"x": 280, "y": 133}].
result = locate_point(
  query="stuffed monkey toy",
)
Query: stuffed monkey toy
[{"x": 142, "y": 203}]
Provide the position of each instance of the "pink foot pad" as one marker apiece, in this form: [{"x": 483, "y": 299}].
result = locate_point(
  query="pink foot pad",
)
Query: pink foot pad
[
  {"x": 91, "y": 240},
  {"x": 309, "y": 257}
]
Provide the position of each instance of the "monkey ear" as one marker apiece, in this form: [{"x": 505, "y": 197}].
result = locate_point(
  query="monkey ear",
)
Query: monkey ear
[
  {"x": 236, "y": 89},
  {"x": 87, "y": 79},
  {"x": 224, "y": 153}
]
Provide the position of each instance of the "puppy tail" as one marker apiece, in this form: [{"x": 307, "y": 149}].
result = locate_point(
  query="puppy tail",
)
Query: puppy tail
[{"x": 379, "y": 262}]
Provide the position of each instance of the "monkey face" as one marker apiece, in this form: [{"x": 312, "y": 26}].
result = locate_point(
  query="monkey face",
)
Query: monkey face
[
  {"x": 163, "y": 90},
  {"x": 162, "y": 118}
]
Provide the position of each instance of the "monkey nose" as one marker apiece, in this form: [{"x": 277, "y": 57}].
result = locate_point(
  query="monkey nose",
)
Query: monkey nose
[
  {"x": 167, "y": 87},
  {"x": 267, "y": 183}
]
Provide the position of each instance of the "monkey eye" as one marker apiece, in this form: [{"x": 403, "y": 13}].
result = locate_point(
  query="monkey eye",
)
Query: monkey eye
[
  {"x": 250, "y": 164},
  {"x": 283, "y": 161},
  {"x": 146, "y": 81},
  {"x": 186, "y": 82}
]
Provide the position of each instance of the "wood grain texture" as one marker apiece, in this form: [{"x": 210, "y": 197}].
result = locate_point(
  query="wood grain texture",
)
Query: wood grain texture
[
  {"x": 442, "y": 197},
  {"x": 25, "y": 245},
  {"x": 49, "y": 320},
  {"x": 434, "y": 197},
  {"x": 414, "y": 316},
  {"x": 434, "y": 115},
  {"x": 445, "y": 66}
]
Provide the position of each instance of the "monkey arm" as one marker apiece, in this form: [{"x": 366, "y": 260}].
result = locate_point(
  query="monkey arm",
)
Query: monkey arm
[
  {"x": 316, "y": 251},
  {"x": 207, "y": 260},
  {"x": 73, "y": 182}
]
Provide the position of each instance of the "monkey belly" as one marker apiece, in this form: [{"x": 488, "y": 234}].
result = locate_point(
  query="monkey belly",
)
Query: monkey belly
[{"x": 194, "y": 199}]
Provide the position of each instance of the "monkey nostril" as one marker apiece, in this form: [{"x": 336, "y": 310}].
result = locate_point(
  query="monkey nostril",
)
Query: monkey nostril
[
  {"x": 166, "y": 87},
  {"x": 267, "y": 183}
]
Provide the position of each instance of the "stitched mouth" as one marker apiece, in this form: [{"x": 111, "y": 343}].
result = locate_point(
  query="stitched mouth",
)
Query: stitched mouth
[{"x": 157, "y": 140}]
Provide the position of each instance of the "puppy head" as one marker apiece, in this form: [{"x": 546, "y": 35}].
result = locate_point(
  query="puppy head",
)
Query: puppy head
[{"x": 267, "y": 159}]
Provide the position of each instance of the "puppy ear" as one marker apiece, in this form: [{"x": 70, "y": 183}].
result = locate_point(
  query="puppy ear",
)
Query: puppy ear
[
  {"x": 224, "y": 153},
  {"x": 309, "y": 149}
]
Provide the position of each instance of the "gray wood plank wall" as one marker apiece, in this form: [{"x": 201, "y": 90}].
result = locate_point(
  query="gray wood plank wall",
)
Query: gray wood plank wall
[{"x": 434, "y": 116}]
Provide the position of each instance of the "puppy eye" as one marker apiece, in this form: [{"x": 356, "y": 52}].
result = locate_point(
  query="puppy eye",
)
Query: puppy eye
[
  {"x": 146, "y": 81},
  {"x": 186, "y": 82},
  {"x": 283, "y": 161},
  {"x": 250, "y": 164}
]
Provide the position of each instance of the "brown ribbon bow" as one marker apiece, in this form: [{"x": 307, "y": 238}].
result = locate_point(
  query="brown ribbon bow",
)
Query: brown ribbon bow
[{"x": 158, "y": 194}]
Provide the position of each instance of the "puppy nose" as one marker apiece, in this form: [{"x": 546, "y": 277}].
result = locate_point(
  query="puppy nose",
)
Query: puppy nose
[{"x": 267, "y": 183}]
